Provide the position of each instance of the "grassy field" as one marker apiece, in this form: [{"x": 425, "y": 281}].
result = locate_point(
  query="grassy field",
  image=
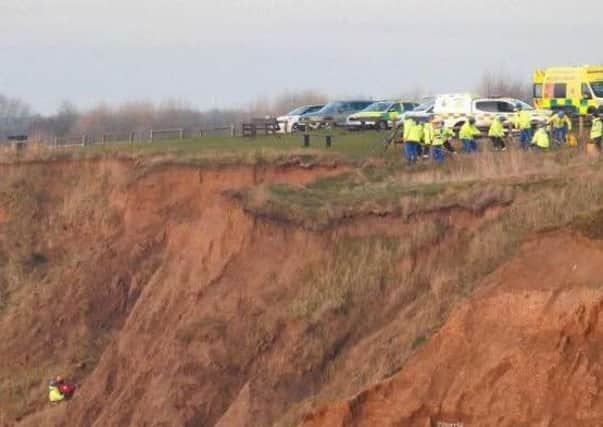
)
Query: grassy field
[{"x": 347, "y": 146}]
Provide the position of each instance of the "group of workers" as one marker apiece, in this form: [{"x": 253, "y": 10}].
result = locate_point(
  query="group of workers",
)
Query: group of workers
[{"x": 433, "y": 137}]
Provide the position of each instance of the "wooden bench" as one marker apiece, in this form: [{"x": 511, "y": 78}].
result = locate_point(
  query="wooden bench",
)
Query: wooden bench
[
  {"x": 265, "y": 126},
  {"x": 18, "y": 142}
]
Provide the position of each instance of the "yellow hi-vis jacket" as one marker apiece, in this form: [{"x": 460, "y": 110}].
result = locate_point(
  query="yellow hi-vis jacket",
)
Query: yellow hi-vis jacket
[
  {"x": 541, "y": 138},
  {"x": 54, "y": 395},
  {"x": 469, "y": 131},
  {"x": 523, "y": 120},
  {"x": 415, "y": 134},
  {"x": 597, "y": 129},
  {"x": 559, "y": 122},
  {"x": 408, "y": 125},
  {"x": 428, "y": 133},
  {"x": 497, "y": 129},
  {"x": 441, "y": 135}
]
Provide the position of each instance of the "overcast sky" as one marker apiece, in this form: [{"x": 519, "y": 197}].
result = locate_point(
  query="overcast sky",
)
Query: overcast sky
[{"x": 226, "y": 53}]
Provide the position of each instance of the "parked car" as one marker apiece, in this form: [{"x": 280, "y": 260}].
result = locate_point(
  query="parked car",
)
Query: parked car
[
  {"x": 333, "y": 114},
  {"x": 289, "y": 123},
  {"x": 454, "y": 109},
  {"x": 380, "y": 115},
  {"x": 425, "y": 107}
]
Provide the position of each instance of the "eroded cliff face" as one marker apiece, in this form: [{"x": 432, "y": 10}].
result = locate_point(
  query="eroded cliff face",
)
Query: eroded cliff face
[
  {"x": 169, "y": 304},
  {"x": 525, "y": 350},
  {"x": 144, "y": 283}
]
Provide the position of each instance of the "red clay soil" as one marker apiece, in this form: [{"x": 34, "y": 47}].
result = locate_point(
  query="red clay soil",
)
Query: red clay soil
[
  {"x": 171, "y": 306},
  {"x": 157, "y": 274},
  {"x": 525, "y": 350}
]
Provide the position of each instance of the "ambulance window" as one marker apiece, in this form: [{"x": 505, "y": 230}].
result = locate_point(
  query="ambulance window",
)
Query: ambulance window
[
  {"x": 538, "y": 90},
  {"x": 560, "y": 90},
  {"x": 597, "y": 88},
  {"x": 586, "y": 91}
]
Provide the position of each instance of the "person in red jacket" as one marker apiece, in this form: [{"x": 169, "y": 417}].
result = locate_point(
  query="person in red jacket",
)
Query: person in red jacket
[{"x": 59, "y": 390}]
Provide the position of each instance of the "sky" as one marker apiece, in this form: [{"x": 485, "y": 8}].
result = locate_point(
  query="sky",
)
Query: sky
[{"x": 229, "y": 53}]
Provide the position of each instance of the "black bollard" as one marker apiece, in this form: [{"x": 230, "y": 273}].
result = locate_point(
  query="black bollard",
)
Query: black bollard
[
  {"x": 306, "y": 140},
  {"x": 328, "y": 140}
]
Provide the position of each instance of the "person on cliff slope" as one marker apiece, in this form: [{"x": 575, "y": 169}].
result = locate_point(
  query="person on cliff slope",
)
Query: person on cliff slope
[{"x": 59, "y": 390}]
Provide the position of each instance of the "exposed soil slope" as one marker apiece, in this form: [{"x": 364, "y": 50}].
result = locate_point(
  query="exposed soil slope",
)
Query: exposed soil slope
[
  {"x": 173, "y": 303},
  {"x": 525, "y": 350}
]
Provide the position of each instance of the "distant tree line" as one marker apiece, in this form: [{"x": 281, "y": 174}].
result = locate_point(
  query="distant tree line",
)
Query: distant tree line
[{"x": 17, "y": 117}]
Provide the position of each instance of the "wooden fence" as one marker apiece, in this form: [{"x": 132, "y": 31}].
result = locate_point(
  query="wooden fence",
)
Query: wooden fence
[{"x": 152, "y": 135}]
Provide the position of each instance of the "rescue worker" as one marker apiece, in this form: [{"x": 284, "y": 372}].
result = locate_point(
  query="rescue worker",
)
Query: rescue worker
[
  {"x": 413, "y": 134},
  {"x": 54, "y": 393},
  {"x": 428, "y": 131},
  {"x": 541, "y": 138},
  {"x": 497, "y": 134},
  {"x": 441, "y": 135},
  {"x": 467, "y": 134},
  {"x": 596, "y": 132},
  {"x": 523, "y": 122},
  {"x": 561, "y": 125}
]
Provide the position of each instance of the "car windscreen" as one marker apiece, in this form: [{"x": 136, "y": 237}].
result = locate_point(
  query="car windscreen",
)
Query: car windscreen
[
  {"x": 378, "y": 106},
  {"x": 331, "y": 107},
  {"x": 360, "y": 105},
  {"x": 523, "y": 105},
  {"x": 597, "y": 88},
  {"x": 313, "y": 109},
  {"x": 298, "y": 111},
  {"x": 425, "y": 105}
]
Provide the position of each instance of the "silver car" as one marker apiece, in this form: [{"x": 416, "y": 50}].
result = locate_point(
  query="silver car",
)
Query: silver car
[{"x": 333, "y": 114}]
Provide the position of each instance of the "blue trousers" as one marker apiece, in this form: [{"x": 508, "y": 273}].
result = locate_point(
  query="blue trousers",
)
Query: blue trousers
[
  {"x": 525, "y": 138},
  {"x": 469, "y": 145},
  {"x": 466, "y": 145},
  {"x": 560, "y": 134},
  {"x": 437, "y": 152},
  {"x": 411, "y": 151}
]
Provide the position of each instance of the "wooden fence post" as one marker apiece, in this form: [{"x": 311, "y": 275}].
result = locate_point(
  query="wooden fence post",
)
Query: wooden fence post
[
  {"x": 181, "y": 133},
  {"x": 56, "y": 141},
  {"x": 233, "y": 131},
  {"x": 580, "y": 128},
  {"x": 83, "y": 140},
  {"x": 151, "y": 135},
  {"x": 132, "y": 135},
  {"x": 103, "y": 139}
]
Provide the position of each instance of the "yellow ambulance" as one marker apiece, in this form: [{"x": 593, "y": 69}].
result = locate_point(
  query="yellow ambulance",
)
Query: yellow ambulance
[{"x": 576, "y": 90}]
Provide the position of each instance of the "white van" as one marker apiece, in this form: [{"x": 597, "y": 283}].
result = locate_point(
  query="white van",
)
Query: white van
[{"x": 455, "y": 109}]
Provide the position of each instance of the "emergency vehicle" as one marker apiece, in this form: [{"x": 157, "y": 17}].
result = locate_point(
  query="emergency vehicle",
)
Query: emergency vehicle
[
  {"x": 575, "y": 90},
  {"x": 455, "y": 109}
]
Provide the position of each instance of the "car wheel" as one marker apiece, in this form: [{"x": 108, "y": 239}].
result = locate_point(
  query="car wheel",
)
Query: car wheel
[{"x": 382, "y": 125}]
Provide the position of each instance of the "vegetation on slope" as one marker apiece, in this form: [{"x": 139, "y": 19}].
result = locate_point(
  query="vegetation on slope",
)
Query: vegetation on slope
[{"x": 399, "y": 247}]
